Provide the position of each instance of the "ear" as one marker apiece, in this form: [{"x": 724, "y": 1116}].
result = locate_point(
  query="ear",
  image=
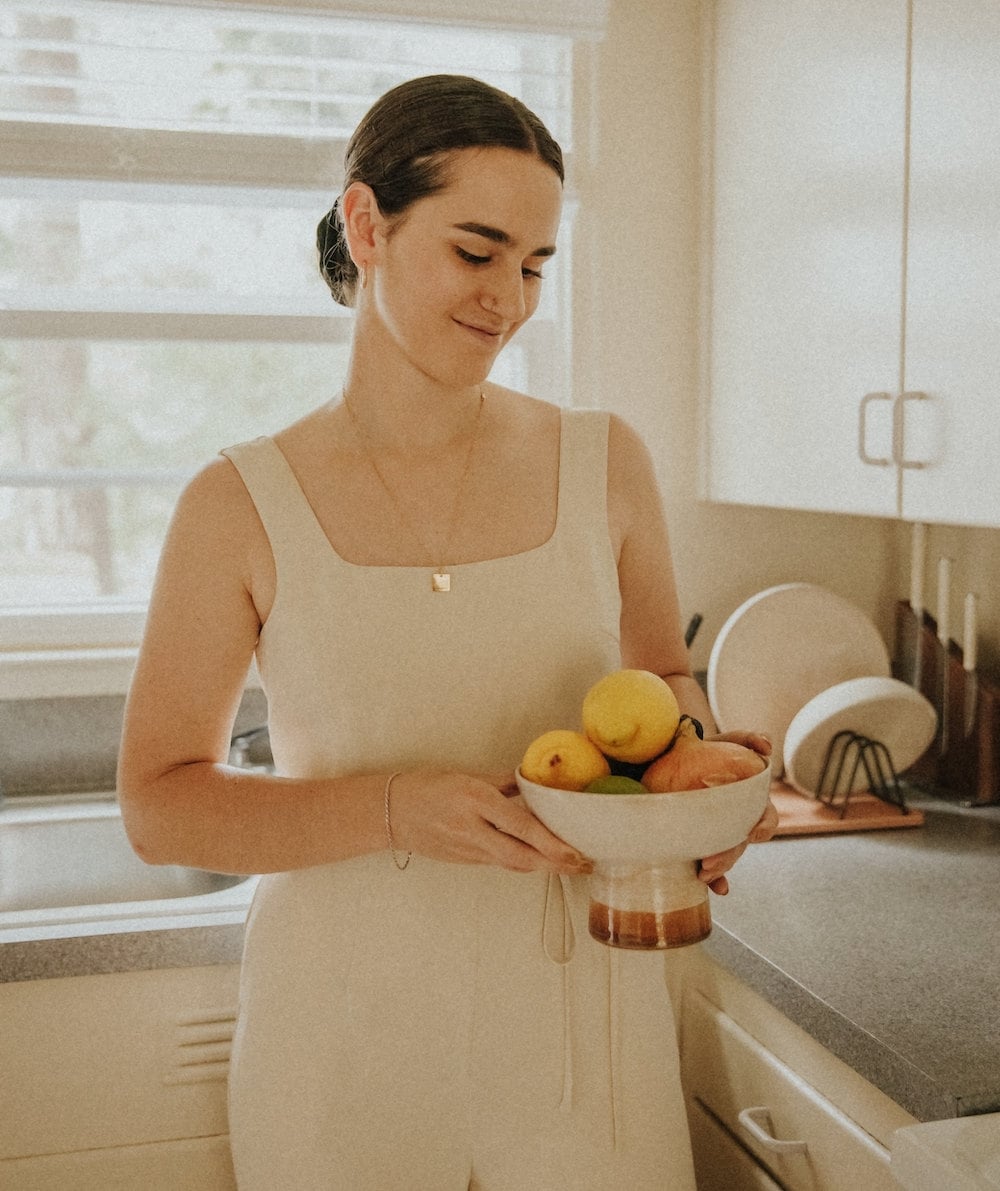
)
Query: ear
[{"x": 362, "y": 222}]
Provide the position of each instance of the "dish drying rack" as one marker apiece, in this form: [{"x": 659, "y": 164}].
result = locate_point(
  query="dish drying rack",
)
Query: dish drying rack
[{"x": 849, "y": 754}]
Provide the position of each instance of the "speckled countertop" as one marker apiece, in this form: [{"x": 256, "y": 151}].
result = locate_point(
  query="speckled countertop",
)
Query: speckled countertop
[
  {"x": 882, "y": 945},
  {"x": 142, "y": 936}
]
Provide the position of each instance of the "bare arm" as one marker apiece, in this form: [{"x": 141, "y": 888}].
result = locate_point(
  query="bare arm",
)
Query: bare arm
[
  {"x": 180, "y": 800},
  {"x": 651, "y": 632}
]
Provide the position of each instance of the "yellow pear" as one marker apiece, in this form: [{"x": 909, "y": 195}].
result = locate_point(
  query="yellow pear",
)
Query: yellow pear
[
  {"x": 631, "y": 715},
  {"x": 563, "y": 759}
]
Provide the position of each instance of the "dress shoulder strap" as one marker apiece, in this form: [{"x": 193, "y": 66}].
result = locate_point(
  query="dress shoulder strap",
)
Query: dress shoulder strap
[{"x": 286, "y": 515}]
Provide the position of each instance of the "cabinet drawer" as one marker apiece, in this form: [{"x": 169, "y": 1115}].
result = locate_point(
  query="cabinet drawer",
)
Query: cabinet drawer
[
  {"x": 114, "y": 1060},
  {"x": 728, "y": 1072},
  {"x": 720, "y": 1162}
]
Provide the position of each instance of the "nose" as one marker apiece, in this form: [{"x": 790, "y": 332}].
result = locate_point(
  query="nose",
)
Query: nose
[{"x": 504, "y": 296}]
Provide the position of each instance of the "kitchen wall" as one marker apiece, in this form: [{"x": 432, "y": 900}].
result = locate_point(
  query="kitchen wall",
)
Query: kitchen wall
[
  {"x": 639, "y": 355},
  {"x": 638, "y": 311}
]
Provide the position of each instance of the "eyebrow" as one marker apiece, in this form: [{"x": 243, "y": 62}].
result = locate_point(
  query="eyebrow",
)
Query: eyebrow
[{"x": 499, "y": 236}]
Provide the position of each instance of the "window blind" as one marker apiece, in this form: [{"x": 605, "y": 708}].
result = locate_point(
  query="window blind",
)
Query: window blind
[{"x": 163, "y": 169}]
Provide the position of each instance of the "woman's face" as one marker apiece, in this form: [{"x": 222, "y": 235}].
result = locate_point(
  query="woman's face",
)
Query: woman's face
[{"x": 462, "y": 270}]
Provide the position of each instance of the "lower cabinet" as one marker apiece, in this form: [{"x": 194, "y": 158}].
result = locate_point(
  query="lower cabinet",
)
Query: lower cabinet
[
  {"x": 770, "y": 1108},
  {"x": 117, "y": 1081}
]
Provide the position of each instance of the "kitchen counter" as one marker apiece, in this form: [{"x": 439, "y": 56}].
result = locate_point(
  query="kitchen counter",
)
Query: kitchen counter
[
  {"x": 144, "y": 948},
  {"x": 129, "y": 937},
  {"x": 882, "y": 946}
]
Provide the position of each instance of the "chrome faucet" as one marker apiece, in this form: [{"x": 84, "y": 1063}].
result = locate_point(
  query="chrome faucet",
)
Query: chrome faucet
[{"x": 243, "y": 753}]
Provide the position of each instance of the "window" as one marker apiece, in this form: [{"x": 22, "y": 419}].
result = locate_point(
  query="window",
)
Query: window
[{"x": 162, "y": 173}]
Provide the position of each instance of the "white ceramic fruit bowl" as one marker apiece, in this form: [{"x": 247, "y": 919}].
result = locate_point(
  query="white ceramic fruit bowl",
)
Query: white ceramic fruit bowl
[
  {"x": 650, "y": 828},
  {"x": 644, "y": 892}
]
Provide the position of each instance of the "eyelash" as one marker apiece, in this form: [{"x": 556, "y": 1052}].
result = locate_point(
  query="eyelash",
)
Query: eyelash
[{"x": 472, "y": 259}]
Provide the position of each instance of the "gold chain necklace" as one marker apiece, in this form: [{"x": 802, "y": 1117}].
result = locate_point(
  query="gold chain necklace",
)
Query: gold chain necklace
[{"x": 441, "y": 577}]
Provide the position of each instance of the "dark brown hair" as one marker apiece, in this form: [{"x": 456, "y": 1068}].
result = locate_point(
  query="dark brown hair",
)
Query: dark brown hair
[{"x": 402, "y": 147}]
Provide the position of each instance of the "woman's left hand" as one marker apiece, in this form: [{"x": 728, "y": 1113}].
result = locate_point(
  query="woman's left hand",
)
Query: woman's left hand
[{"x": 712, "y": 869}]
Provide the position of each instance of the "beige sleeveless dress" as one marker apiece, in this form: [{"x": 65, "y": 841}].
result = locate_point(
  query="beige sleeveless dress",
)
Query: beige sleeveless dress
[{"x": 447, "y": 1027}]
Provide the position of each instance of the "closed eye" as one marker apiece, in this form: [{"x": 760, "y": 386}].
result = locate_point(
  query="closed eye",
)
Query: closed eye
[{"x": 472, "y": 258}]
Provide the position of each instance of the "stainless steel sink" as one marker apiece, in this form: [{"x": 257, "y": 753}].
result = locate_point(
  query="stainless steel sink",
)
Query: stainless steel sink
[{"x": 71, "y": 850}]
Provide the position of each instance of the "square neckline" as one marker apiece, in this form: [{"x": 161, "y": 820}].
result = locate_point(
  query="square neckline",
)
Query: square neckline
[{"x": 562, "y": 486}]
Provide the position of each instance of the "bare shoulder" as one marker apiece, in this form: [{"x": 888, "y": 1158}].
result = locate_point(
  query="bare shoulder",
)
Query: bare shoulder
[
  {"x": 216, "y": 504},
  {"x": 627, "y": 450},
  {"x": 216, "y": 536},
  {"x": 633, "y": 490},
  {"x": 216, "y": 486}
]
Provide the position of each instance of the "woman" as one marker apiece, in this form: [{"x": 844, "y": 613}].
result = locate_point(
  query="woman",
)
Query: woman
[{"x": 432, "y": 571}]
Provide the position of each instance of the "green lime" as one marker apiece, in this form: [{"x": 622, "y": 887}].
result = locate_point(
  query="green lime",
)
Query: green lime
[{"x": 615, "y": 783}]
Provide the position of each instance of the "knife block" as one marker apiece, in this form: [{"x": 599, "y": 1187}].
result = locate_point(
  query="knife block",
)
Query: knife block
[{"x": 968, "y": 769}]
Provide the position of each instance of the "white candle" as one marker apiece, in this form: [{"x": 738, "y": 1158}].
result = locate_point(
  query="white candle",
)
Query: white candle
[
  {"x": 969, "y": 633},
  {"x": 918, "y": 552},
  {"x": 943, "y": 600}
]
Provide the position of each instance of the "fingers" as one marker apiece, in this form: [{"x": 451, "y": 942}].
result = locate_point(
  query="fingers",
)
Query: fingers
[
  {"x": 474, "y": 820},
  {"x": 712, "y": 869},
  {"x": 766, "y": 826},
  {"x": 531, "y": 839}
]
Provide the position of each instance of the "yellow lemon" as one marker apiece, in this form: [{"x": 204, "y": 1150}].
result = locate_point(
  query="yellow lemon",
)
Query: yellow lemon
[
  {"x": 564, "y": 759},
  {"x": 631, "y": 715}
]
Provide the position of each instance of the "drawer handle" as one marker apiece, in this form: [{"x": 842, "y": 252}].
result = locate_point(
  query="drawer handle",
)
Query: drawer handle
[{"x": 757, "y": 1123}]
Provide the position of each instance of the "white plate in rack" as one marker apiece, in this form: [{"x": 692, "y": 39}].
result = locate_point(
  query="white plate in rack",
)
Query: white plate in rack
[
  {"x": 880, "y": 709},
  {"x": 780, "y": 649}
]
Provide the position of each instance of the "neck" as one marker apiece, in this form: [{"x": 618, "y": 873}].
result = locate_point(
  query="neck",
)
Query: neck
[{"x": 422, "y": 419}]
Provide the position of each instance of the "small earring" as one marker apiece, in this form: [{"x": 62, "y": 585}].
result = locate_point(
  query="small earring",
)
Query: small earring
[{"x": 363, "y": 275}]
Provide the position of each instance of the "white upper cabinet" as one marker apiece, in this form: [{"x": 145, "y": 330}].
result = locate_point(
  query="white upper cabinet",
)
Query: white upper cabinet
[
  {"x": 953, "y": 270},
  {"x": 847, "y": 272}
]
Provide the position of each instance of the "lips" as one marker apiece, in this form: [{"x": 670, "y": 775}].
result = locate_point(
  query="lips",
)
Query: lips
[{"x": 489, "y": 334}]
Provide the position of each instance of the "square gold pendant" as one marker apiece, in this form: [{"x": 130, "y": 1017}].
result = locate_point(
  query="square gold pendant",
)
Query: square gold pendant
[{"x": 440, "y": 581}]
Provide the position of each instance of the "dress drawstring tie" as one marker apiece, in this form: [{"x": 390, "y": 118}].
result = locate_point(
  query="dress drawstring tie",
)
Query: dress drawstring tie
[
  {"x": 614, "y": 1039},
  {"x": 559, "y": 943}
]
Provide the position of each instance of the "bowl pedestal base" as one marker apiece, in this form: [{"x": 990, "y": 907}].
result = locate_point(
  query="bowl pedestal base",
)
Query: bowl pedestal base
[{"x": 651, "y": 908}]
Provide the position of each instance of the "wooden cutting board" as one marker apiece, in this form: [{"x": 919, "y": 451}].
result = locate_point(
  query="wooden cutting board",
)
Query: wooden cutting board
[{"x": 799, "y": 815}]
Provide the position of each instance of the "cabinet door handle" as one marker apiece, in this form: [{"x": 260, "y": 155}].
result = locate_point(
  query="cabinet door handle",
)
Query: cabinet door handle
[
  {"x": 898, "y": 423},
  {"x": 757, "y": 1124},
  {"x": 871, "y": 460}
]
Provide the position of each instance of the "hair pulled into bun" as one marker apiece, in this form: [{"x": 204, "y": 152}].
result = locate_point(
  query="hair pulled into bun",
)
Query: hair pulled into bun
[
  {"x": 335, "y": 265},
  {"x": 402, "y": 147}
]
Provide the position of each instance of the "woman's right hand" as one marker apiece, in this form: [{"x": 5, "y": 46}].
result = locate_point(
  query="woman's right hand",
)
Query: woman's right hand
[{"x": 474, "y": 819}]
